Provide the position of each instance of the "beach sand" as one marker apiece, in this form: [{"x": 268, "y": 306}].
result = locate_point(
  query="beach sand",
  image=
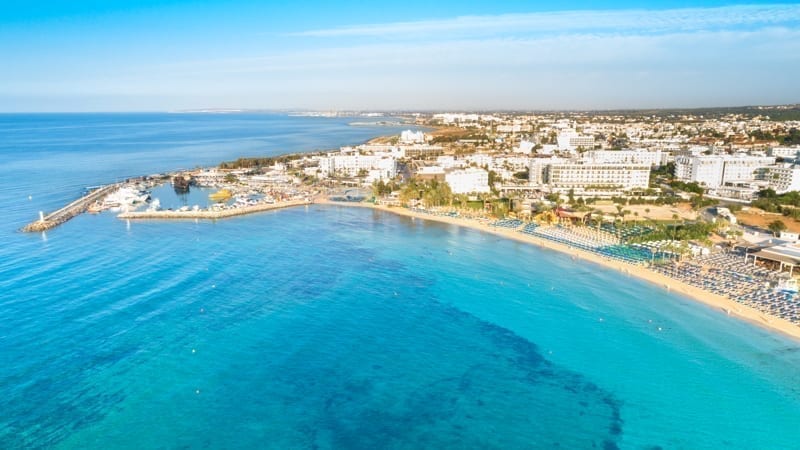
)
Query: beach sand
[{"x": 725, "y": 305}]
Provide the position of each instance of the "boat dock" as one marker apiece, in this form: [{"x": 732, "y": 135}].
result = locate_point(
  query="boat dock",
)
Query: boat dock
[
  {"x": 80, "y": 205},
  {"x": 212, "y": 214}
]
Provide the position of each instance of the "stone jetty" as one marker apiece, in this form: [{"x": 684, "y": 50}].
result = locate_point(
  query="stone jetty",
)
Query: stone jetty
[{"x": 56, "y": 218}]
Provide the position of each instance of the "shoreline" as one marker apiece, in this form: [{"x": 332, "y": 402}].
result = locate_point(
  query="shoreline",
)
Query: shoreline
[{"x": 723, "y": 304}]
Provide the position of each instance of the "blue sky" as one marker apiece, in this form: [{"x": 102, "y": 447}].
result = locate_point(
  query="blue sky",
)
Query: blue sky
[{"x": 171, "y": 55}]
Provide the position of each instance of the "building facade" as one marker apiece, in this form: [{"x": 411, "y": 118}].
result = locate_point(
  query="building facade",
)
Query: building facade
[
  {"x": 572, "y": 141},
  {"x": 783, "y": 178},
  {"x": 377, "y": 167},
  {"x": 589, "y": 176},
  {"x": 716, "y": 170},
  {"x": 468, "y": 181},
  {"x": 653, "y": 158}
]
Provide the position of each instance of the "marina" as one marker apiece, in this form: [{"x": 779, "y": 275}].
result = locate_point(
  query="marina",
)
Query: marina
[
  {"x": 213, "y": 198},
  {"x": 212, "y": 213}
]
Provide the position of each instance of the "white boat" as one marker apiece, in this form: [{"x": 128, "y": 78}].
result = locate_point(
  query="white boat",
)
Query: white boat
[
  {"x": 155, "y": 205},
  {"x": 125, "y": 198}
]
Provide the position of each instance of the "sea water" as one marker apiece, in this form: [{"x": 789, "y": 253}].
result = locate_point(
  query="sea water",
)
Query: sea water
[{"x": 339, "y": 327}]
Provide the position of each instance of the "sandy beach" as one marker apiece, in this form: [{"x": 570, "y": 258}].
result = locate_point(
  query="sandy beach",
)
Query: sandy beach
[{"x": 725, "y": 306}]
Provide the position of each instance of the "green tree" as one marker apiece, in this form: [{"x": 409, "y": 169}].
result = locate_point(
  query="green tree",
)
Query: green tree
[
  {"x": 553, "y": 197},
  {"x": 776, "y": 226}
]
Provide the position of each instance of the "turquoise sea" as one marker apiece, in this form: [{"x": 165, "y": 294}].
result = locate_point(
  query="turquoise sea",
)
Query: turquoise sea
[{"x": 335, "y": 327}]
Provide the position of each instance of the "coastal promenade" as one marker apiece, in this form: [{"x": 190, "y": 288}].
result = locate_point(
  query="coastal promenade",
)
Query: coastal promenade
[
  {"x": 211, "y": 214},
  {"x": 73, "y": 209},
  {"x": 726, "y": 306}
]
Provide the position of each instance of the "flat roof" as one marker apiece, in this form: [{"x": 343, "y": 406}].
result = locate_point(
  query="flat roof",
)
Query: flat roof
[{"x": 772, "y": 256}]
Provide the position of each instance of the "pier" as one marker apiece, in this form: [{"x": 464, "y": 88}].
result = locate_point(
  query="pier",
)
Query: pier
[{"x": 80, "y": 205}]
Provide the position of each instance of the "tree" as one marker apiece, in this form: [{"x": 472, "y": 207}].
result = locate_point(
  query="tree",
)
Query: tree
[
  {"x": 553, "y": 197},
  {"x": 776, "y": 226}
]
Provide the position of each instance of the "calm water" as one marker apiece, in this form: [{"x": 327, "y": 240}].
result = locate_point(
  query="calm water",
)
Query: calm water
[{"x": 328, "y": 327}]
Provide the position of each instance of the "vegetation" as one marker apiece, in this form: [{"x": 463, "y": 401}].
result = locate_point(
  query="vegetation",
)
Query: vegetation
[
  {"x": 692, "y": 187},
  {"x": 381, "y": 188},
  {"x": 698, "y": 202},
  {"x": 429, "y": 192},
  {"x": 455, "y": 137},
  {"x": 255, "y": 163},
  {"x": 680, "y": 232},
  {"x": 521, "y": 175},
  {"x": 771, "y": 202},
  {"x": 776, "y": 226}
]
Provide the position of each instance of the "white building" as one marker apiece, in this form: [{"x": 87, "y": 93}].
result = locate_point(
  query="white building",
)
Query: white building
[
  {"x": 449, "y": 162},
  {"x": 525, "y": 147},
  {"x": 587, "y": 176},
  {"x": 538, "y": 166},
  {"x": 784, "y": 152},
  {"x": 571, "y": 141},
  {"x": 467, "y": 181},
  {"x": 716, "y": 170},
  {"x": 705, "y": 170},
  {"x": 744, "y": 167},
  {"x": 412, "y": 137},
  {"x": 421, "y": 150},
  {"x": 430, "y": 173},
  {"x": 653, "y": 158},
  {"x": 377, "y": 166},
  {"x": 515, "y": 128},
  {"x": 783, "y": 178},
  {"x": 480, "y": 159},
  {"x": 212, "y": 177}
]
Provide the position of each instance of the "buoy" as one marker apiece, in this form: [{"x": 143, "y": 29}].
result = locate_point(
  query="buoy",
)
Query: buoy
[
  {"x": 194, "y": 351},
  {"x": 197, "y": 391}
]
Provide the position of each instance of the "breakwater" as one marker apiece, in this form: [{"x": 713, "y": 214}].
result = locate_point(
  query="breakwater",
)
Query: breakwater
[
  {"x": 211, "y": 214},
  {"x": 66, "y": 213}
]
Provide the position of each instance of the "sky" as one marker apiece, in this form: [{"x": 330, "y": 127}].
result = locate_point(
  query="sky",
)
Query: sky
[{"x": 147, "y": 55}]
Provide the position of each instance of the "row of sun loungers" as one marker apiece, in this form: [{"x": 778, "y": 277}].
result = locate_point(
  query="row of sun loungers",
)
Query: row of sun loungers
[
  {"x": 508, "y": 223},
  {"x": 728, "y": 275},
  {"x": 594, "y": 241},
  {"x": 626, "y": 232}
]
